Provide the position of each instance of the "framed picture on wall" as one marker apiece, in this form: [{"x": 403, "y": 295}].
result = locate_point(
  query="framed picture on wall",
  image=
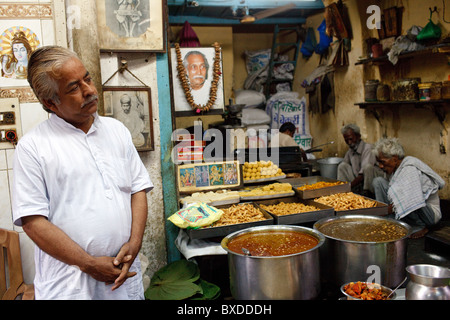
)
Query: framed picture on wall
[
  {"x": 133, "y": 25},
  {"x": 199, "y": 67},
  {"x": 132, "y": 107}
]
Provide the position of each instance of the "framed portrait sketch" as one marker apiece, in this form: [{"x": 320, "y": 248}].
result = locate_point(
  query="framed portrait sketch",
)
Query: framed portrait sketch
[
  {"x": 199, "y": 71},
  {"x": 132, "y": 107},
  {"x": 131, "y": 25}
]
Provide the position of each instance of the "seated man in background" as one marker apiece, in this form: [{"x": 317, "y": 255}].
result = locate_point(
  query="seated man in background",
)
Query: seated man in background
[
  {"x": 412, "y": 190},
  {"x": 358, "y": 166},
  {"x": 285, "y": 138}
]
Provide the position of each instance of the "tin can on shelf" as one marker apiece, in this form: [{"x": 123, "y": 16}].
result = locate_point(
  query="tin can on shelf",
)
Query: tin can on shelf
[
  {"x": 370, "y": 90},
  {"x": 425, "y": 91},
  {"x": 436, "y": 91},
  {"x": 405, "y": 89},
  {"x": 446, "y": 90}
]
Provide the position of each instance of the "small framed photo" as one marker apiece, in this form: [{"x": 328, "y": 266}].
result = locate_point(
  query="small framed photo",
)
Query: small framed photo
[
  {"x": 132, "y": 25},
  {"x": 132, "y": 107},
  {"x": 198, "y": 64}
]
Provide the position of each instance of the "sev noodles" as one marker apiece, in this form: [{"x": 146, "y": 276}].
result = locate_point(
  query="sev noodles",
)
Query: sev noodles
[{"x": 346, "y": 201}]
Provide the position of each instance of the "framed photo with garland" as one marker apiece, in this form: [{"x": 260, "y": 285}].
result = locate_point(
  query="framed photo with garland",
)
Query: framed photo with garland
[{"x": 197, "y": 80}]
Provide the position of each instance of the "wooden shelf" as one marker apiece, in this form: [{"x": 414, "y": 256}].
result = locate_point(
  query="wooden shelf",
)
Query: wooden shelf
[
  {"x": 439, "y": 48},
  {"x": 441, "y": 102}
]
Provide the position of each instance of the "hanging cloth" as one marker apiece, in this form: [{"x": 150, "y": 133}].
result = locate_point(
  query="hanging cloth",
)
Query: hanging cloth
[
  {"x": 310, "y": 43},
  {"x": 188, "y": 37}
]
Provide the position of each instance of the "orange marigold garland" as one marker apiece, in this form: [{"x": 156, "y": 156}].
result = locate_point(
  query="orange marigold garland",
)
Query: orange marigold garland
[{"x": 185, "y": 82}]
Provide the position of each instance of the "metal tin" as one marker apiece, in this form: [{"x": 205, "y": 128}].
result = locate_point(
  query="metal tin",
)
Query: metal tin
[
  {"x": 446, "y": 90},
  {"x": 425, "y": 91},
  {"x": 370, "y": 90},
  {"x": 290, "y": 277},
  {"x": 405, "y": 90},
  {"x": 343, "y": 261},
  {"x": 436, "y": 91}
]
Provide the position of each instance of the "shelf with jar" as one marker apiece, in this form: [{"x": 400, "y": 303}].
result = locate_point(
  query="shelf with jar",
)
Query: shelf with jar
[{"x": 405, "y": 92}]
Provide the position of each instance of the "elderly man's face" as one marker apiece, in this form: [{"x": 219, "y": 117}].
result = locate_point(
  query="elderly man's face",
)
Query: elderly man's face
[
  {"x": 388, "y": 165},
  {"x": 351, "y": 138},
  {"x": 196, "y": 71}
]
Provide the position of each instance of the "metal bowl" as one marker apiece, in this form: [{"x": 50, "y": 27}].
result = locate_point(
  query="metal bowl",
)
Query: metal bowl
[{"x": 383, "y": 288}]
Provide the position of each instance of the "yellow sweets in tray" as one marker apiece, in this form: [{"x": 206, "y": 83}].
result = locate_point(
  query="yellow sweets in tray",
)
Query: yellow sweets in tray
[{"x": 261, "y": 170}]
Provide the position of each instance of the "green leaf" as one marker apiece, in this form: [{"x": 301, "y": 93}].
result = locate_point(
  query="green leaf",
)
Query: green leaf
[
  {"x": 210, "y": 291},
  {"x": 174, "y": 281},
  {"x": 173, "y": 291}
]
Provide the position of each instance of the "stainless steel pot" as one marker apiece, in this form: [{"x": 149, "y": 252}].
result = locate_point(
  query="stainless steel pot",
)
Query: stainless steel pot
[
  {"x": 428, "y": 282},
  {"x": 288, "y": 277},
  {"x": 344, "y": 261}
]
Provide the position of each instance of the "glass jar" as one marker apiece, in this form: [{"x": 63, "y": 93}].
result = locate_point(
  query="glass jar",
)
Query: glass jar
[{"x": 370, "y": 90}]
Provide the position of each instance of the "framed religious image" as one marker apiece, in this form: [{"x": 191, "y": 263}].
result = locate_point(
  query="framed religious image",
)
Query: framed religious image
[
  {"x": 131, "y": 25},
  {"x": 197, "y": 80},
  {"x": 204, "y": 176},
  {"x": 132, "y": 107}
]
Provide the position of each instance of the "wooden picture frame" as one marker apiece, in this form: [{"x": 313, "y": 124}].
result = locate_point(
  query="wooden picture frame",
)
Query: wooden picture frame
[
  {"x": 201, "y": 176},
  {"x": 131, "y": 26},
  {"x": 201, "y": 96},
  {"x": 132, "y": 106}
]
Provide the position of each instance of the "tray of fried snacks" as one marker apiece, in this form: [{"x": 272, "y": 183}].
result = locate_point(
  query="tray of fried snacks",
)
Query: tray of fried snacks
[
  {"x": 352, "y": 203},
  {"x": 261, "y": 171},
  {"x": 213, "y": 198},
  {"x": 317, "y": 186},
  {"x": 234, "y": 217},
  {"x": 293, "y": 210},
  {"x": 270, "y": 191}
]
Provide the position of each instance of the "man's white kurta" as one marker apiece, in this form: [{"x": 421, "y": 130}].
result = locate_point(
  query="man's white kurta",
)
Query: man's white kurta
[{"x": 83, "y": 184}]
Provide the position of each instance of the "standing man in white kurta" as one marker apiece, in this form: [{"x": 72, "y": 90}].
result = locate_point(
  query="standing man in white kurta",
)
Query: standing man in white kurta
[{"x": 79, "y": 188}]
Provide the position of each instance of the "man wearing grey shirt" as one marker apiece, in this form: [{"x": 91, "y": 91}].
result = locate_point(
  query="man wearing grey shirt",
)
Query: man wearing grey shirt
[{"x": 358, "y": 166}]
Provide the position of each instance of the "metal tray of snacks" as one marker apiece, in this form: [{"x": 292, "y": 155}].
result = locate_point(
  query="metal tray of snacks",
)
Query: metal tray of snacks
[
  {"x": 224, "y": 230},
  {"x": 319, "y": 185},
  {"x": 352, "y": 203},
  {"x": 302, "y": 214}
]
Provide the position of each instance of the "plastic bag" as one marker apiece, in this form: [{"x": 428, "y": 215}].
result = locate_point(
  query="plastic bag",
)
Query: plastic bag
[
  {"x": 196, "y": 215},
  {"x": 325, "y": 40},
  {"x": 431, "y": 31}
]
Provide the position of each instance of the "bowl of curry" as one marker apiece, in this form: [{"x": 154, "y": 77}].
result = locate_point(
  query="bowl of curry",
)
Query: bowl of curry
[{"x": 274, "y": 262}]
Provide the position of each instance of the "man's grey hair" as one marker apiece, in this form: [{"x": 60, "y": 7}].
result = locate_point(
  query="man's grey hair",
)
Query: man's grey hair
[
  {"x": 351, "y": 126},
  {"x": 44, "y": 71},
  {"x": 195, "y": 52},
  {"x": 388, "y": 147}
]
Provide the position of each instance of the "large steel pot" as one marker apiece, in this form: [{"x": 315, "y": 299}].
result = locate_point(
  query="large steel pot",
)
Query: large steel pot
[
  {"x": 289, "y": 277},
  {"x": 345, "y": 260}
]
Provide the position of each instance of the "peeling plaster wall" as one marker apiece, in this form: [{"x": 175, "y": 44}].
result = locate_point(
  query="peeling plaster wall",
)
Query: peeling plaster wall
[{"x": 418, "y": 129}]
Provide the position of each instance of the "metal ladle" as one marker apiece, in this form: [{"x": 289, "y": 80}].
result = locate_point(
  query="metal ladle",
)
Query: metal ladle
[
  {"x": 246, "y": 252},
  {"x": 390, "y": 294}
]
